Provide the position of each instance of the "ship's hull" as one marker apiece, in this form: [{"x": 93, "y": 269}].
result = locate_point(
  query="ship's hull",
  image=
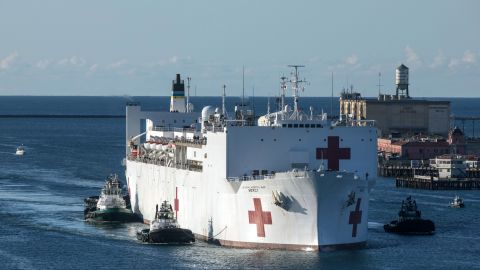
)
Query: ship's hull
[
  {"x": 112, "y": 215},
  {"x": 296, "y": 210},
  {"x": 171, "y": 235},
  {"x": 416, "y": 226}
]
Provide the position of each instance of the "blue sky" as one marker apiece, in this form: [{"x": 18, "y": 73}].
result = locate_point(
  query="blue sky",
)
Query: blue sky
[{"x": 114, "y": 47}]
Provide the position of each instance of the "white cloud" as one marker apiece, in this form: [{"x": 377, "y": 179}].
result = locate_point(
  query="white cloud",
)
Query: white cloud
[
  {"x": 6, "y": 62},
  {"x": 412, "y": 57},
  {"x": 93, "y": 68},
  {"x": 173, "y": 59},
  {"x": 351, "y": 60},
  {"x": 117, "y": 64},
  {"x": 43, "y": 64},
  {"x": 438, "y": 60},
  {"x": 454, "y": 62},
  {"x": 469, "y": 57},
  {"x": 74, "y": 61}
]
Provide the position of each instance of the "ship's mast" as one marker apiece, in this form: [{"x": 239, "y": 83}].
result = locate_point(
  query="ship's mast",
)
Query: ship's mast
[
  {"x": 283, "y": 89},
  {"x": 188, "y": 94},
  {"x": 243, "y": 87},
  {"x": 223, "y": 100},
  {"x": 296, "y": 85}
]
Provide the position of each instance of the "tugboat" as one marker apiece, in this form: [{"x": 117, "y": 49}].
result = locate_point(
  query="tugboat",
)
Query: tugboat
[
  {"x": 165, "y": 229},
  {"x": 410, "y": 221},
  {"x": 110, "y": 206},
  {"x": 457, "y": 202},
  {"x": 20, "y": 151}
]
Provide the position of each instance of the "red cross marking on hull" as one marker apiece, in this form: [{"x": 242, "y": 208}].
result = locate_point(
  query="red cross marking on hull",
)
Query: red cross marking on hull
[
  {"x": 333, "y": 153},
  {"x": 259, "y": 217},
  {"x": 355, "y": 218}
]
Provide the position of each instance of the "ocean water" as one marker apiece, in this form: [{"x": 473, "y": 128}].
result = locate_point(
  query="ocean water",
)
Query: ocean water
[{"x": 67, "y": 159}]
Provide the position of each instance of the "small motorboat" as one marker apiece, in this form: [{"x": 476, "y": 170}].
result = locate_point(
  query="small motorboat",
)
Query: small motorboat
[
  {"x": 165, "y": 229},
  {"x": 110, "y": 206},
  {"x": 457, "y": 202},
  {"x": 410, "y": 221},
  {"x": 20, "y": 151}
]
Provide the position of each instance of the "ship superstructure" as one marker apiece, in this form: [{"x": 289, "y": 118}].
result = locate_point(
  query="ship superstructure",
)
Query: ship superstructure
[{"x": 290, "y": 180}]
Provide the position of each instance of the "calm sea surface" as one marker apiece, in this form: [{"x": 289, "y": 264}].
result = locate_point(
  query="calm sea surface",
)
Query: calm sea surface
[{"x": 41, "y": 201}]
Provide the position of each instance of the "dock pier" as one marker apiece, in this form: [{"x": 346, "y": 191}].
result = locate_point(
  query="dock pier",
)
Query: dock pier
[
  {"x": 453, "y": 184},
  {"x": 407, "y": 171}
]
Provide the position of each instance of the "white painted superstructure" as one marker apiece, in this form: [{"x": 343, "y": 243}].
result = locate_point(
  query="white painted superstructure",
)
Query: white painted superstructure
[{"x": 290, "y": 181}]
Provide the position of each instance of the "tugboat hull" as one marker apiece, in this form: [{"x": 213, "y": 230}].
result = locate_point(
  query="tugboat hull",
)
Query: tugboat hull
[
  {"x": 172, "y": 235},
  {"x": 410, "y": 227},
  {"x": 112, "y": 215},
  {"x": 166, "y": 236}
]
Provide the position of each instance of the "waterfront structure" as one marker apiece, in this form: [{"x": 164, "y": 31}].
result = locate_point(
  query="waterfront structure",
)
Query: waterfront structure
[
  {"x": 398, "y": 113},
  {"x": 421, "y": 148},
  {"x": 449, "y": 171},
  {"x": 413, "y": 149},
  {"x": 288, "y": 181}
]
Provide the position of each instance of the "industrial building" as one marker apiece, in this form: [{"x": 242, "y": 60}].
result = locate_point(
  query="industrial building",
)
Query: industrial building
[{"x": 398, "y": 114}]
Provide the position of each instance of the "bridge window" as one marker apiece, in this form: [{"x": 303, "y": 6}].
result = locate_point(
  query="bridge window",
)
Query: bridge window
[
  {"x": 307, "y": 125},
  {"x": 295, "y": 125},
  {"x": 284, "y": 125},
  {"x": 289, "y": 125},
  {"x": 301, "y": 125},
  {"x": 319, "y": 126}
]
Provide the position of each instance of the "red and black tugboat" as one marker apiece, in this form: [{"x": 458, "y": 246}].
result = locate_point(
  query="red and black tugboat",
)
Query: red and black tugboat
[{"x": 410, "y": 220}]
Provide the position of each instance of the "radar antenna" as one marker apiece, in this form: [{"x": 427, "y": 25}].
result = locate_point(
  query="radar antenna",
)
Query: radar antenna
[
  {"x": 379, "y": 84},
  {"x": 296, "y": 86}
]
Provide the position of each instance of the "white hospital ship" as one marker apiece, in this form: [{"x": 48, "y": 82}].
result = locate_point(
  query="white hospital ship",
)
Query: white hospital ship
[{"x": 287, "y": 180}]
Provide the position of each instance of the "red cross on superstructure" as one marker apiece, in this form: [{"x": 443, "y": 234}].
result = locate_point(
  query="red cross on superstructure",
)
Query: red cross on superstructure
[
  {"x": 259, "y": 217},
  {"x": 176, "y": 202},
  {"x": 333, "y": 153},
  {"x": 355, "y": 218}
]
